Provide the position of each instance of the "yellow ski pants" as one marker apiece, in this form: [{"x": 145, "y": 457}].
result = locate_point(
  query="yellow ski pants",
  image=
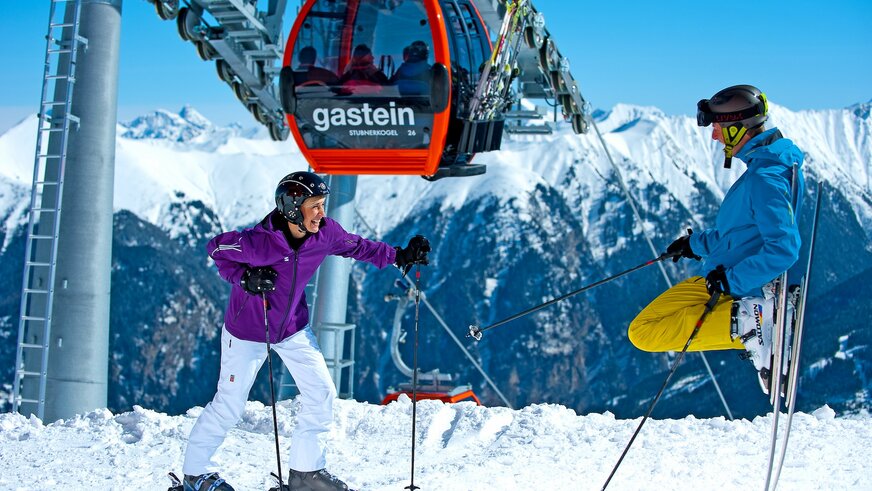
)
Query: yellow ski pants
[{"x": 667, "y": 322}]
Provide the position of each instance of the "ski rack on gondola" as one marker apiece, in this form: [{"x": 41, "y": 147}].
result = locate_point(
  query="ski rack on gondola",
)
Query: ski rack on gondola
[{"x": 524, "y": 52}]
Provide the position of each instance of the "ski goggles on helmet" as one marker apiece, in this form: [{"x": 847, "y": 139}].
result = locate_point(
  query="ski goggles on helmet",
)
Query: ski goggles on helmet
[
  {"x": 703, "y": 113},
  {"x": 705, "y": 116}
]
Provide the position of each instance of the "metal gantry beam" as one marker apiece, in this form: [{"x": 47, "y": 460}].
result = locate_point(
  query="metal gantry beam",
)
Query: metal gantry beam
[{"x": 245, "y": 44}]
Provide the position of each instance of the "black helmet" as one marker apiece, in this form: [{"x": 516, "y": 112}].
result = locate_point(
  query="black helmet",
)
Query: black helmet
[
  {"x": 736, "y": 109},
  {"x": 418, "y": 51},
  {"x": 295, "y": 188}
]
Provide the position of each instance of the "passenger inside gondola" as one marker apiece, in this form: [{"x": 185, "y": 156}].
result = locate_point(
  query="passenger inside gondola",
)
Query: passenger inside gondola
[
  {"x": 362, "y": 76},
  {"x": 309, "y": 74},
  {"x": 413, "y": 76}
]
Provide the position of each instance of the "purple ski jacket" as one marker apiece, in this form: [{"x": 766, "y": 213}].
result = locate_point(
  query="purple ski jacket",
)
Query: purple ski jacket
[{"x": 265, "y": 245}]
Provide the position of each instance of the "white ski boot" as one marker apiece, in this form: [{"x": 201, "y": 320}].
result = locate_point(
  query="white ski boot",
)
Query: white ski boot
[{"x": 753, "y": 319}]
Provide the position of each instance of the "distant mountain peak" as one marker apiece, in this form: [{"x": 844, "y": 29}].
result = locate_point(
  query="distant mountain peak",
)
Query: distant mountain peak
[
  {"x": 862, "y": 110},
  {"x": 191, "y": 115},
  {"x": 161, "y": 124},
  {"x": 622, "y": 114},
  {"x": 623, "y": 117}
]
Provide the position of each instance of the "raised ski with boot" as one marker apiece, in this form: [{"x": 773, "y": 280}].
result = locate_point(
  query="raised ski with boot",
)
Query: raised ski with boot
[{"x": 754, "y": 321}]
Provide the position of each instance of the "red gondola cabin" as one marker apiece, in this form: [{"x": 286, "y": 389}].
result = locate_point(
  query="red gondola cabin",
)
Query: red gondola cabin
[{"x": 376, "y": 86}]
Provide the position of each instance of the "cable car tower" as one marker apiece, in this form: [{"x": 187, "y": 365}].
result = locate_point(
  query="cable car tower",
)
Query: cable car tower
[{"x": 62, "y": 360}]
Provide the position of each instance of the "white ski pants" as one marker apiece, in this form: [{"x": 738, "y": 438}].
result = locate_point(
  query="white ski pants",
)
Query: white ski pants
[{"x": 240, "y": 362}]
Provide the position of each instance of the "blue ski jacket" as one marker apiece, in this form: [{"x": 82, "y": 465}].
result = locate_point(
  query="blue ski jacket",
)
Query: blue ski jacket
[{"x": 756, "y": 236}]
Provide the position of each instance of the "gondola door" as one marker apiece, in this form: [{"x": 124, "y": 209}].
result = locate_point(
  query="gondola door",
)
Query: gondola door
[{"x": 470, "y": 47}]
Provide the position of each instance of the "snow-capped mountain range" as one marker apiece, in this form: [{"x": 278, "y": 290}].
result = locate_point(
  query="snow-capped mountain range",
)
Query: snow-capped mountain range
[
  {"x": 547, "y": 217},
  {"x": 163, "y": 157}
]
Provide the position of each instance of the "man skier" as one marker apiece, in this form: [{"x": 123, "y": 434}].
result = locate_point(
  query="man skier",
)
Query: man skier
[
  {"x": 276, "y": 258},
  {"x": 755, "y": 239}
]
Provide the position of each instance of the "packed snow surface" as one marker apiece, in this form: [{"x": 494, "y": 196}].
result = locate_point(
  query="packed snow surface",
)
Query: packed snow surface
[{"x": 459, "y": 447}]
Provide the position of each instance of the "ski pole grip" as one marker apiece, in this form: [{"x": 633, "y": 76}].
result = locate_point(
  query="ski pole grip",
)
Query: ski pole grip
[
  {"x": 474, "y": 332},
  {"x": 710, "y": 305}
]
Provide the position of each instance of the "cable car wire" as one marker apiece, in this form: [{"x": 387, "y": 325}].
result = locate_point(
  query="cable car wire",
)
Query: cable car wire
[{"x": 444, "y": 325}]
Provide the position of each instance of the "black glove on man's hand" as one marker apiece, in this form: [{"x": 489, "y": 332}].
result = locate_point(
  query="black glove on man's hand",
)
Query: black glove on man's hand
[
  {"x": 414, "y": 253},
  {"x": 681, "y": 248},
  {"x": 716, "y": 281},
  {"x": 259, "y": 279}
]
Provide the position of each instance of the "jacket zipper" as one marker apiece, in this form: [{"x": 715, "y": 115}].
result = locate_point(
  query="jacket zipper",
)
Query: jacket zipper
[
  {"x": 241, "y": 308},
  {"x": 293, "y": 291}
]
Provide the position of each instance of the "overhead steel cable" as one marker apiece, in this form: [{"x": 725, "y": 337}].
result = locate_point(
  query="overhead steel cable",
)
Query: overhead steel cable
[{"x": 444, "y": 325}]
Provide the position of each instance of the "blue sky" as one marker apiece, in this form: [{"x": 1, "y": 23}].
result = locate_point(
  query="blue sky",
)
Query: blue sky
[{"x": 803, "y": 54}]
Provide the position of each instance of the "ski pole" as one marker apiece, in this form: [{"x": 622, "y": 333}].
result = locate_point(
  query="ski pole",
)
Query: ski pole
[
  {"x": 476, "y": 332},
  {"x": 412, "y": 487},
  {"x": 272, "y": 391},
  {"x": 709, "y": 306}
]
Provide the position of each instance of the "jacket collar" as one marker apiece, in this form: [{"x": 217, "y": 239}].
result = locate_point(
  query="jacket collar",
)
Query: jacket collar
[
  {"x": 764, "y": 139},
  {"x": 275, "y": 222}
]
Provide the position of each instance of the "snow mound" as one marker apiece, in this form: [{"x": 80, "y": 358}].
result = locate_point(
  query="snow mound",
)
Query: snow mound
[{"x": 459, "y": 447}]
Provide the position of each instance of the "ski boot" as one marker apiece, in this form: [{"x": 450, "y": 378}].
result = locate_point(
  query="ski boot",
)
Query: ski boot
[
  {"x": 752, "y": 321},
  {"x": 320, "y": 480},
  {"x": 210, "y": 481}
]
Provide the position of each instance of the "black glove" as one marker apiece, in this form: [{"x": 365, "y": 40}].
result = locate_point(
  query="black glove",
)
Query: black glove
[
  {"x": 414, "y": 253},
  {"x": 681, "y": 248},
  {"x": 258, "y": 280},
  {"x": 716, "y": 281}
]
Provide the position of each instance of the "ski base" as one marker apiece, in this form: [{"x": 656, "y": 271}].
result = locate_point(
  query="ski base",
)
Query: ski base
[{"x": 178, "y": 485}]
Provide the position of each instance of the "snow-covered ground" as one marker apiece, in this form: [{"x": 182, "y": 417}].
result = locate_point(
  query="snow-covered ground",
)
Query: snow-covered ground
[{"x": 460, "y": 447}]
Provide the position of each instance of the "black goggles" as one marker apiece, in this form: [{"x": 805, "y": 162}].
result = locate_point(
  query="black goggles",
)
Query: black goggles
[
  {"x": 705, "y": 116},
  {"x": 703, "y": 113}
]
